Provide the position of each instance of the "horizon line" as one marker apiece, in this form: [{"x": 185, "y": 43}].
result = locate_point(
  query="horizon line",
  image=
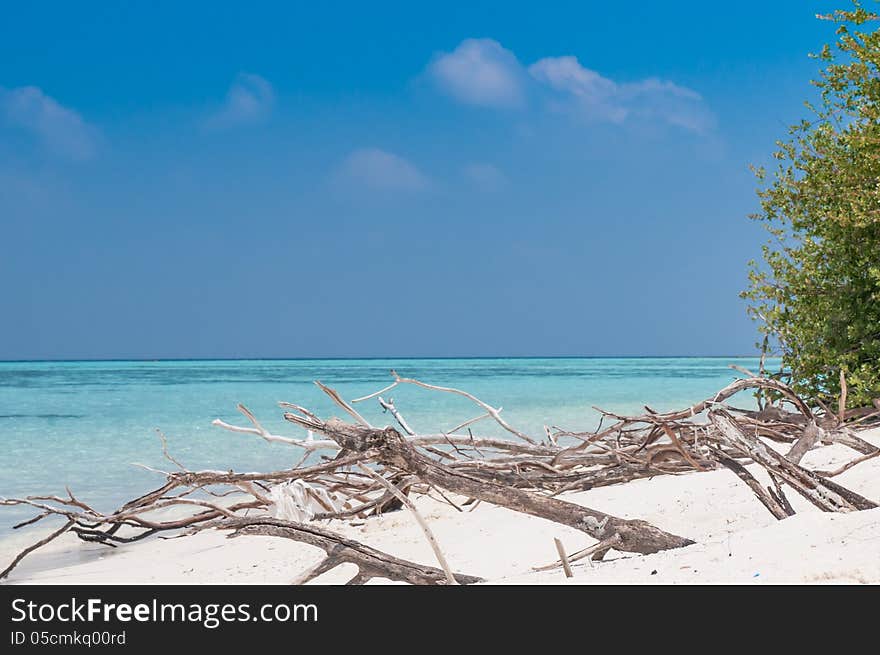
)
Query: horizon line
[{"x": 363, "y": 358}]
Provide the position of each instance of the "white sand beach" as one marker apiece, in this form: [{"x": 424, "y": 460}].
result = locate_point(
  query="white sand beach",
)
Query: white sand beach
[{"x": 737, "y": 541}]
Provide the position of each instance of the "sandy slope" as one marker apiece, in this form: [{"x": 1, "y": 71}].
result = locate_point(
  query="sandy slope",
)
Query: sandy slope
[{"x": 737, "y": 541}]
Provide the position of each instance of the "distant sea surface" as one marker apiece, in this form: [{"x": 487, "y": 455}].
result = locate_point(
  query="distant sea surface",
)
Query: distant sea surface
[{"x": 83, "y": 424}]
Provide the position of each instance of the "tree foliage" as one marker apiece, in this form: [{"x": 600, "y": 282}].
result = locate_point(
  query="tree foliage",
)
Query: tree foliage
[{"x": 818, "y": 290}]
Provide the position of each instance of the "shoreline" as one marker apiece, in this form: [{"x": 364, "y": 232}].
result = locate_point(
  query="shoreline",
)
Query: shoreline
[
  {"x": 64, "y": 419},
  {"x": 737, "y": 540}
]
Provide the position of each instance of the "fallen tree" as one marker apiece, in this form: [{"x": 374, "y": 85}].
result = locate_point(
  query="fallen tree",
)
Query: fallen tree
[{"x": 365, "y": 470}]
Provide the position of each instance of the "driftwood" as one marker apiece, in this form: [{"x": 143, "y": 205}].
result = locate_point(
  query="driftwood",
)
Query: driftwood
[
  {"x": 596, "y": 550},
  {"x": 338, "y": 550},
  {"x": 392, "y": 450},
  {"x": 365, "y": 470},
  {"x": 812, "y": 433},
  {"x": 429, "y": 535},
  {"x": 563, "y": 558},
  {"x": 35, "y": 546},
  {"x": 773, "y": 504},
  {"x": 824, "y": 494}
]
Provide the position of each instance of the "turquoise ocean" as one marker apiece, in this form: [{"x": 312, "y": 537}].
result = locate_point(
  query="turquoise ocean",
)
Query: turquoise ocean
[{"x": 83, "y": 424}]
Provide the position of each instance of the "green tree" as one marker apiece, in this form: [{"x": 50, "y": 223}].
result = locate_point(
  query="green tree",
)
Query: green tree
[{"x": 818, "y": 290}]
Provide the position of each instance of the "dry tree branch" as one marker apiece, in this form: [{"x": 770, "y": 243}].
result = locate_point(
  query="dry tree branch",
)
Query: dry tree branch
[
  {"x": 599, "y": 547},
  {"x": 824, "y": 494},
  {"x": 377, "y": 393},
  {"x": 812, "y": 433},
  {"x": 371, "y": 563},
  {"x": 432, "y": 540},
  {"x": 393, "y": 450},
  {"x": 42, "y": 542},
  {"x": 767, "y": 500},
  {"x": 336, "y": 398},
  {"x": 165, "y": 453},
  {"x": 491, "y": 411},
  {"x": 848, "y": 465},
  {"x": 388, "y": 405},
  {"x": 469, "y": 422},
  {"x": 260, "y": 431},
  {"x": 680, "y": 448},
  {"x": 743, "y": 370},
  {"x": 563, "y": 558}
]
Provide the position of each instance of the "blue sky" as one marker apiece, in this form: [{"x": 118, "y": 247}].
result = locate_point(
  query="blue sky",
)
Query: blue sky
[{"x": 405, "y": 179}]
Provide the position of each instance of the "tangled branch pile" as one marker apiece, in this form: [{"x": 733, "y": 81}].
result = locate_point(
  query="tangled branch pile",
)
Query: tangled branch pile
[{"x": 367, "y": 470}]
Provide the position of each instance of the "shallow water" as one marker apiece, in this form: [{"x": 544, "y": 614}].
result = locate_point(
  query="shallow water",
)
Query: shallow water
[{"x": 82, "y": 424}]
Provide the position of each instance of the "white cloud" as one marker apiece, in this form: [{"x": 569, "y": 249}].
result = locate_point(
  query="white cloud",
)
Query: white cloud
[
  {"x": 250, "y": 99},
  {"x": 673, "y": 104},
  {"x": 594, "y": 94},
  {"x": 485, "y": 177},
  {"x": 480, "y": 72},
  {"x": 377, "y": 169},
  {"x": 589, "y": 95},
  {"x": 62, "y": 130}
]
